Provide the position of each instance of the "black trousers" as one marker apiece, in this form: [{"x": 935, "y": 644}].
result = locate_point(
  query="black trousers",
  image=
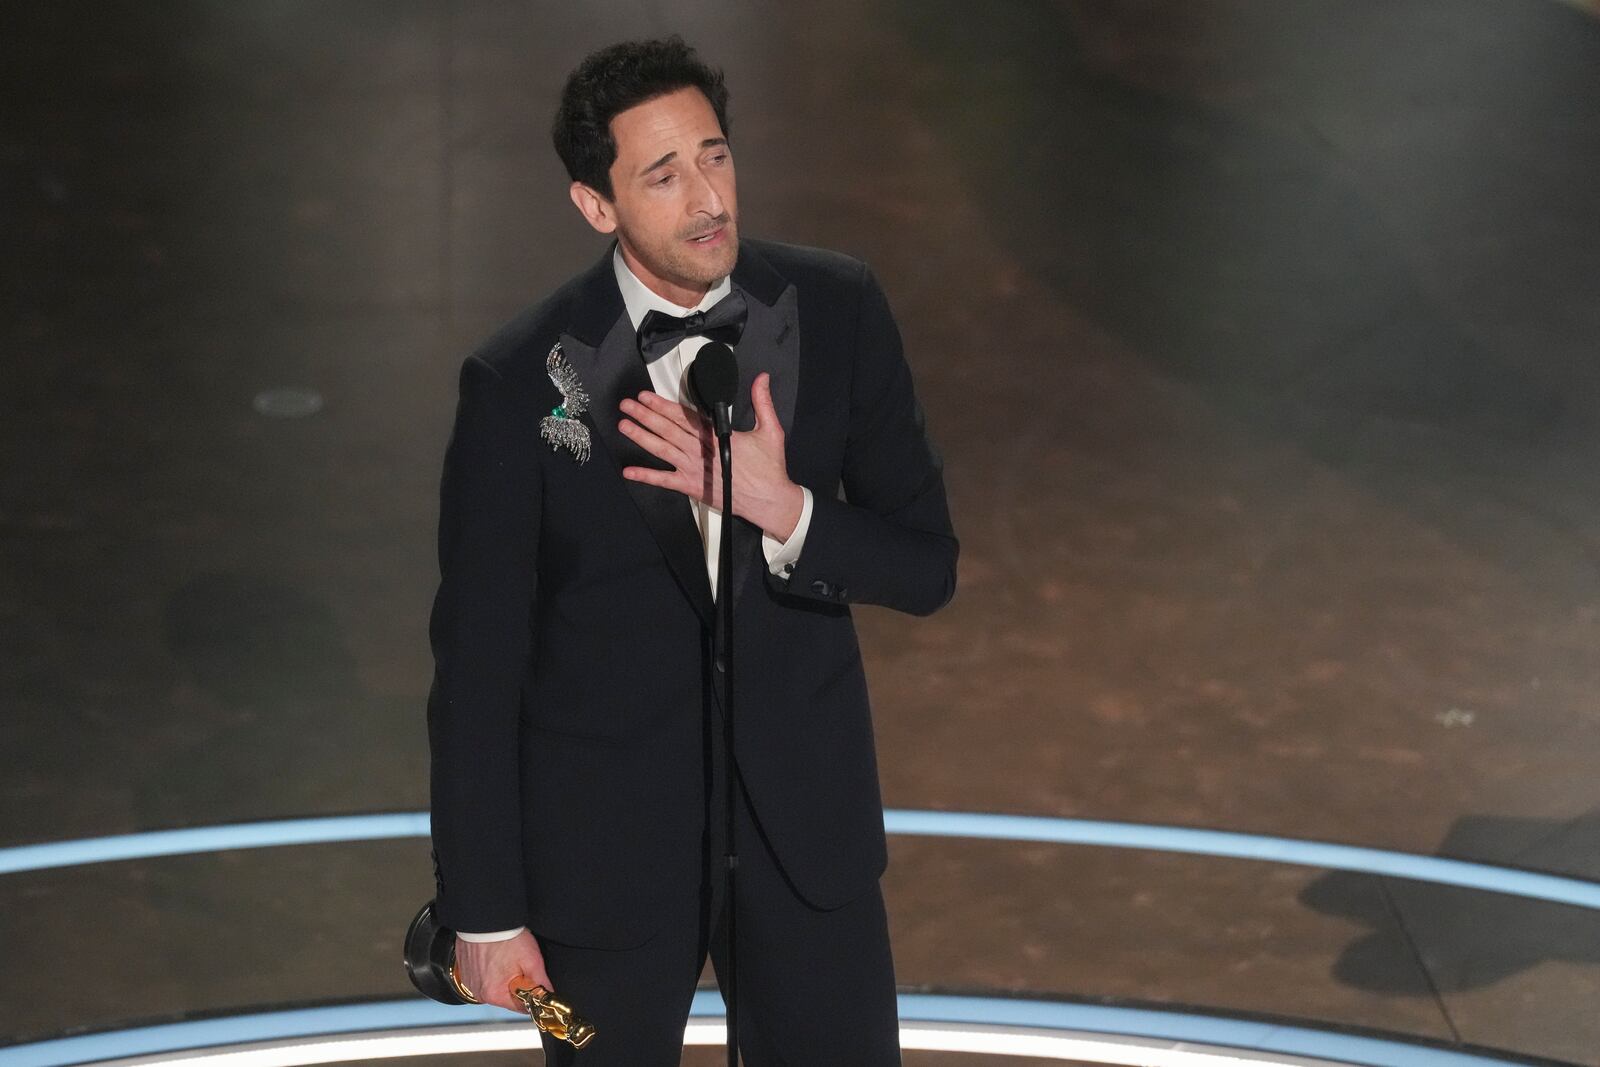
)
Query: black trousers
[{"x": 816, "y": 988}]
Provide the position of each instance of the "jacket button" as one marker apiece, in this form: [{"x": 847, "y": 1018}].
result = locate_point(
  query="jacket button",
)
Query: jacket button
[
  {"x": 722, "y": 667},
  {"x": 821, "y": 588}
]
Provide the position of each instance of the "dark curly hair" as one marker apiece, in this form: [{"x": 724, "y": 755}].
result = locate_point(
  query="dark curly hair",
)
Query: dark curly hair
[{"x": 611, "y": 81}]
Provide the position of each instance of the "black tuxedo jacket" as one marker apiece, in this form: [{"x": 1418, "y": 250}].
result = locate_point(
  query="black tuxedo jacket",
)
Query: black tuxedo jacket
[{"x": 571, "y": 630}]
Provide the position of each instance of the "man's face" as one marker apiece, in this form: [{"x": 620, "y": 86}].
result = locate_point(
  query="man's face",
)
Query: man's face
[{"x": 674, "y": 205}]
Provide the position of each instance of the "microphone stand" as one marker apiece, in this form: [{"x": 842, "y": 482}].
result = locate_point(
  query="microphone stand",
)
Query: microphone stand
[
  {"x": 724, "y": 648},
  {"x": 714, "y": 377}
]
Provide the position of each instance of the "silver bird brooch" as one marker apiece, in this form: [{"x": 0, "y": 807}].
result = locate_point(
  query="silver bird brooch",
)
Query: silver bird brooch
[{"x": 562, "y": 427}]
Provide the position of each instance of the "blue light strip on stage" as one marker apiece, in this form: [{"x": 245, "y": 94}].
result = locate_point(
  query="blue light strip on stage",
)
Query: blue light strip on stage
[
  {"x": 983, "y": 825},
  {"x": 242, "y": 1029},
  {"x": 328, "y": 829},
  {"x": 1435, "y": 869},
  {"x": 1207, "y": 1030},
  {"x": 1212, "y": 1030}
]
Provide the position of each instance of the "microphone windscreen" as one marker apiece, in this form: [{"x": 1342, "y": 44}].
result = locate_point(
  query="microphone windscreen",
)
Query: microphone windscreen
[{"x": 714, "y": 376}]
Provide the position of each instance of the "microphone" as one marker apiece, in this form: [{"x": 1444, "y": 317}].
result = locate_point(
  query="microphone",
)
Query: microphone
[{"x": 714, "y": 380}]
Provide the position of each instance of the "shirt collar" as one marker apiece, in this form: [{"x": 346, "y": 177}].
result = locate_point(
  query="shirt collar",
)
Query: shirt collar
[{"x": 638, "y": 298}]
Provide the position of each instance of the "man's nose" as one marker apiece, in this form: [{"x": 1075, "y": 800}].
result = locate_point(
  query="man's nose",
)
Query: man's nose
[{"x": 706, "y": 199}]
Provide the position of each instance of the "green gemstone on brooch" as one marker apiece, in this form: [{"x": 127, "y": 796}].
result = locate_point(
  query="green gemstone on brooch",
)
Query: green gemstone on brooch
[{"x": 559, "y": 412}]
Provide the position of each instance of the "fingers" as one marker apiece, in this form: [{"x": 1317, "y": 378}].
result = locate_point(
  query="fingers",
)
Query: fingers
[
  {"x": 663, "y": 429},
  {"x": 705, "y": 487},
  {"x": 490, "y": 968},
  {"x": 761, "y": 400},
  {"x": 653, "y": 419},
  {"x": 683, "y": 417},
  {"x": 667, "y": 449},
  {"x": 651, "y": 476},
  {"x": 530, "y": 973},
  {"x": 653, "y": 443},
  {"x": 678, "y": 436},
  {"x": 527, "y": 978}
]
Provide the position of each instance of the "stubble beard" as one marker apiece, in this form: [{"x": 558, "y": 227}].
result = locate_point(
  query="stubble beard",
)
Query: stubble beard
[{"x": 679, "y": 263}]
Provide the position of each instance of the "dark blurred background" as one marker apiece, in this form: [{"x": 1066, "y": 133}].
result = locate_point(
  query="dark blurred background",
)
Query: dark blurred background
[{"x": 1258, "y": 336}]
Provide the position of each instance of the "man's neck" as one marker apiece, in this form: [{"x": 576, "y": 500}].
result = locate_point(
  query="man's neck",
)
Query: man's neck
[{"x": 681, "y": 296}]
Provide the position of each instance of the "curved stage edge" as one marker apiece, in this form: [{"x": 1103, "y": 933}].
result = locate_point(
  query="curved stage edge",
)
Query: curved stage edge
[
  {"x": 991, "y": 1026},
  {"x": 1439, "y": 870},
  {"x": 995, "y": 1026}
]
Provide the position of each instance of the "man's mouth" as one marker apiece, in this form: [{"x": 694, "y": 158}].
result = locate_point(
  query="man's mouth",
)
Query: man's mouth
[{"x": 709, "y": 237}]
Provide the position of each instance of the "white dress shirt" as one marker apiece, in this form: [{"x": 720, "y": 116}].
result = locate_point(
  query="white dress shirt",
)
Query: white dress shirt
[{"x": 669, "y": 378}]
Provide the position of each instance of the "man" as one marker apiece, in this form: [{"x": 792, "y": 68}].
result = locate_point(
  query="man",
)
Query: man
[{"x": 575, "y": 719}]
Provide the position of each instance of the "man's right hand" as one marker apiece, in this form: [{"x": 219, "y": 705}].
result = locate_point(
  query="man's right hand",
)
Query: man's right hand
[{"x": 487, "y": 967}]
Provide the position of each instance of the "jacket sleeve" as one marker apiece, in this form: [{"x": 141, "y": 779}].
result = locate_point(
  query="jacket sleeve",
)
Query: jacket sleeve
[
  {"x": 889, "y": 541},
  {"x": 479, "y": 631}
]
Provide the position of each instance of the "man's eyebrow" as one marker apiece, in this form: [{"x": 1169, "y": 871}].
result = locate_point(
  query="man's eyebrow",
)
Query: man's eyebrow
[
  {"x": 664, "y": 159},
  {"x": 709, "y": 142}
]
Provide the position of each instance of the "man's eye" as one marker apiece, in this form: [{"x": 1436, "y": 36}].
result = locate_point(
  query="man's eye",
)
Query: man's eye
[
  {"x": 720, "y": 157},
  {"x": 663, "y": 180}
]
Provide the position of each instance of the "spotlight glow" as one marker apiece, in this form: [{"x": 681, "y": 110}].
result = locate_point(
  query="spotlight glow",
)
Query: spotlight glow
[
  {"x": 1050, "y": 1030},
  {"x": 922, "y": 1037},
  {"x": 1080, "y": 1048}
]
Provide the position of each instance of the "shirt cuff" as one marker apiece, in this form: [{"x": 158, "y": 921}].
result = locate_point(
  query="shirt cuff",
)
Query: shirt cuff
[
  {"x": 497, "y": 935},
  {"x": 781, "y": 555}
]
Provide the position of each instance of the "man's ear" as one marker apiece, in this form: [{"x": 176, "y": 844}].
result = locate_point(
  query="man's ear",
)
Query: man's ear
[{"x": 595, "y": 209}]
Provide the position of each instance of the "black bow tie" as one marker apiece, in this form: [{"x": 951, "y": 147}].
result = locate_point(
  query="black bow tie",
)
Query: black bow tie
[{"x": 723, "y": 321}]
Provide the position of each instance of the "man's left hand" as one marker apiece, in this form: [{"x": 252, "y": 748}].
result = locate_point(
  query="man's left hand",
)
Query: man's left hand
[{"x": 682, "y": 437}]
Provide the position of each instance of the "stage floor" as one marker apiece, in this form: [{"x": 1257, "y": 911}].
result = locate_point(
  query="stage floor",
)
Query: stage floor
[{"x": 1258, "y": 337}]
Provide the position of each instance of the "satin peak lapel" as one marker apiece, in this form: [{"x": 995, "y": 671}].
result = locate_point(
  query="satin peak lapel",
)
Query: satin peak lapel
[
  {"x": 613, "y": 371},
  {"x": 771, "y": 343}
]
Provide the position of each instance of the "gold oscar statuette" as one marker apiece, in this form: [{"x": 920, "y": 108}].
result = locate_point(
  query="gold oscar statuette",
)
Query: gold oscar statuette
[{"x": 549, "y": 1014}]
